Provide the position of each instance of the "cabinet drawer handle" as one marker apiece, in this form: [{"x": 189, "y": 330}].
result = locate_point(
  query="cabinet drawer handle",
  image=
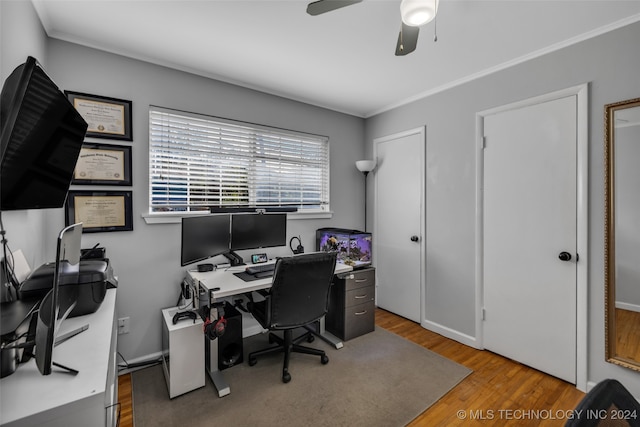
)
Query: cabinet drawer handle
[
  {"x": 360, "y": 313},
  {"x": 361, "y": 280},
  {"x": 360, "y": 296}
]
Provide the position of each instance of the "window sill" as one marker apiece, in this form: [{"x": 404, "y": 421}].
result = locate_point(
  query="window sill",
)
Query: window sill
[{"x": 176, "y": 218}]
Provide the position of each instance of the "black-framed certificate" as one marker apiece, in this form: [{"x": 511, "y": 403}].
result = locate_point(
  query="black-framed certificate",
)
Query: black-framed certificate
[
  {"x": 106, "y": 117},
  {"x": 103, "y": 164},
  {"x": 100, "y": 211}
]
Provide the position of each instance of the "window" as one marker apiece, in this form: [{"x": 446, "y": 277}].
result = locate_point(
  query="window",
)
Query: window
[{"x": 197, "y": 162}]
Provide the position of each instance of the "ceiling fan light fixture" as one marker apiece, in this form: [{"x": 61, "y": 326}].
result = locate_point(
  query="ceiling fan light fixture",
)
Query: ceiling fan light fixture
[{"x": 418, "y": 12}]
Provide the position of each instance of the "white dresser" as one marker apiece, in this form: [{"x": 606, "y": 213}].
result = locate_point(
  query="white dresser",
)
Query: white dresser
[{"x": 87, "y": 399}]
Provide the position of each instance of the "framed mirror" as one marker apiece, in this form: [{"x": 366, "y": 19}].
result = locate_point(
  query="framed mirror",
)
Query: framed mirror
[{"x": 622, "y": 233}]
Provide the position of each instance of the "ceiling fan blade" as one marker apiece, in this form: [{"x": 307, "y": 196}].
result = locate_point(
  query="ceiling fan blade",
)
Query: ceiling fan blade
[
  {"x": 323, "y": 6},
  {"x": 407, "y": 40}
]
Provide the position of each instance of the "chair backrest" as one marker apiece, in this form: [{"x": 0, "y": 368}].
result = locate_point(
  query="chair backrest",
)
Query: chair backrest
[
  {"x": 300, "y": 291},
  {"x": 608, "y": 404}
]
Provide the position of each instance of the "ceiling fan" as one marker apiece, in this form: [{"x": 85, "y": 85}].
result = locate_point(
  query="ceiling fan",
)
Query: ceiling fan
[{"x": 414, "y": 14}]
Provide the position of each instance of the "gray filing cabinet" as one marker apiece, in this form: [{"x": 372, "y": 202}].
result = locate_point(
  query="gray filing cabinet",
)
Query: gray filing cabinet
[{"x": 352, "y": 304}]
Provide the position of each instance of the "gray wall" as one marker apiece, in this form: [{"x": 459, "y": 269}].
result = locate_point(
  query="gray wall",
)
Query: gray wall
[
  {"x": 610, "y": 63},
  {"x": 146, "y": 260}
]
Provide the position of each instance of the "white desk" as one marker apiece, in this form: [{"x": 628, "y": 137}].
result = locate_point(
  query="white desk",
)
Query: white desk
[
  {"x": 223, "y": 283},
  {"x": 61, "y": 399}
]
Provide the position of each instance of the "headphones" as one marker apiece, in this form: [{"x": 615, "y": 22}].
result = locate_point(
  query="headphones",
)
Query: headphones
[
  {"x": 215, "y": 329},
  {"x": 299, "y": 249}
]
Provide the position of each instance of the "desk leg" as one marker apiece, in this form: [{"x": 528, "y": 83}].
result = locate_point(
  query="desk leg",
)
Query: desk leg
[
  {"x": 211, "y": 356},
  {"x": 220, "y": 383},
  {"x": 327, "y": 337}
]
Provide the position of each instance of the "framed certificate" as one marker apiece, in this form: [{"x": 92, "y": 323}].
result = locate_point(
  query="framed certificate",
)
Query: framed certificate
[
  {"x": 106, "y": 117},
  {"x": 103, "y": 164},
  {"x": 100, "y": 211}
]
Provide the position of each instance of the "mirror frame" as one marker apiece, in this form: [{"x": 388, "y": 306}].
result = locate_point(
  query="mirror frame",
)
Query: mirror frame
[{"x": 609, "y": 237}]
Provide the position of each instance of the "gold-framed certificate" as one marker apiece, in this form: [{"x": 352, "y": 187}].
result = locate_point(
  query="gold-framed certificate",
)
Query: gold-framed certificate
[
  {"x": 106, "y": 117},
  {"x": 103, "y": 164},
  {"x": 100, "y": 211}
]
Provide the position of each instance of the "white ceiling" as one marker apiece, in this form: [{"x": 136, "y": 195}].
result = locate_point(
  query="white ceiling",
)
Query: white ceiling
[{"x": 343, "y": 60}]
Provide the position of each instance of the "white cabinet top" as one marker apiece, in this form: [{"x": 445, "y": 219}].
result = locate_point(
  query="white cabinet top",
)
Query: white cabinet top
[{"x": 28, "y": 398}]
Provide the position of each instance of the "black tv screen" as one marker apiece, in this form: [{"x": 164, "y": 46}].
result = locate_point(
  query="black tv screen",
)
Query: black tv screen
[
  {"x": 204, "y": 237},
  {"x": 254, "y": 231},
  {"x": 42, "y": 134}
]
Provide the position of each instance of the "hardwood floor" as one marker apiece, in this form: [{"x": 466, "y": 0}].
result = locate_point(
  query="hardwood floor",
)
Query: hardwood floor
[
  {"x": 628, "y": 334},
  {"x": 125, "y": 392},
  {"x": 498, "y": 392}
]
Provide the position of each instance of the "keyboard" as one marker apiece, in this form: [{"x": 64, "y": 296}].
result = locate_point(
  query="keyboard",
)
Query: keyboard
[{"x": 260, "y": 268}]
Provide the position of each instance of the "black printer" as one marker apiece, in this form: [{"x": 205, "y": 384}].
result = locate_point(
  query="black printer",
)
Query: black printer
[{"x": 93, "y": 280}]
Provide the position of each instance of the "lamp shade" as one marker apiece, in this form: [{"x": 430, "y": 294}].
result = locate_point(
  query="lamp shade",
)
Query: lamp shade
[
  {"x": 418, "y": 12},
  {"x": 365, "y": 165}
]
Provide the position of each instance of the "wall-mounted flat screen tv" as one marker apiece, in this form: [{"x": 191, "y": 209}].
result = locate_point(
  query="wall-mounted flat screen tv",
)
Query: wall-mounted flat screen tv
[{"x": 41, "y": 137}]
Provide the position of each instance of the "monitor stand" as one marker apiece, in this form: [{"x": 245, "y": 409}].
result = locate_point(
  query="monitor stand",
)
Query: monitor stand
[{"x": 234, "y": 258}]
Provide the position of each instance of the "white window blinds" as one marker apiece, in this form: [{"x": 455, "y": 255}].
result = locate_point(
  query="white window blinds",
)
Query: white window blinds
[{"x": 197, "y": 162}]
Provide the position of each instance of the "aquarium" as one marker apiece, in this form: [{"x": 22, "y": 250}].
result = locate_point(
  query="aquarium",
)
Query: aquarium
[{"x": 353, "y": 246}]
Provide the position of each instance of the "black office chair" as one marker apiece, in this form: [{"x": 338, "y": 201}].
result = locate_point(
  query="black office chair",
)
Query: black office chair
[
  {"x": 608, "y": 404},
  {"x": 298, "y": 297}
]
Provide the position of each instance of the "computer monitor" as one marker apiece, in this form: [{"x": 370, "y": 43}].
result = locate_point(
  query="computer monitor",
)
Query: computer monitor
[
  {"x": 204, "y": 237},
  {"x": 254, "y": 231},
  {"x": 59, "y": 301}
]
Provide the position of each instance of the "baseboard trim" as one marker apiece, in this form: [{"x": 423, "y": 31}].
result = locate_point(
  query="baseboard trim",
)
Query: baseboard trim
[
  {"x": 138, "y": 363},
  {"x": 627, "y": 306}
]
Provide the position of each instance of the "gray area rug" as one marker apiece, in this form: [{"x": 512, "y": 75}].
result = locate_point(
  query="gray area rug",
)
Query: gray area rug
[{"x": 378, "y": 379}]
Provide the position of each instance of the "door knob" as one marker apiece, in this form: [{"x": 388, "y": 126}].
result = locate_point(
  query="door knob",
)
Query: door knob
[
  {"x": 414, "y": 238},
  {"x": 564, "y": 256}
]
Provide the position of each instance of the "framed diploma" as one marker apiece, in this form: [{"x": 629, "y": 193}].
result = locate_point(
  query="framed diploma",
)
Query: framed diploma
[
  {"x": 103, "y": 164},
  {"x": 106, "y": 117},
  {"x": 100, "y": 211}
]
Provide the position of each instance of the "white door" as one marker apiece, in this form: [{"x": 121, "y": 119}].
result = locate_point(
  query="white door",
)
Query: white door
[
  {"x": 399, "y": 222},
  {"x": 530, "y": 249}
]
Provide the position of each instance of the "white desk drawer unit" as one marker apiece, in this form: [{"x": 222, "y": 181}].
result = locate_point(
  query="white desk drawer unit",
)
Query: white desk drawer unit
[
  {"x": 352, "y": 304},
  {"x": 182, "y": 353}
]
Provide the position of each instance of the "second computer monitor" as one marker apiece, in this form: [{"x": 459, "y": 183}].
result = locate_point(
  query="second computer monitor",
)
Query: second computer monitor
[{"x": 254, "y": 231}]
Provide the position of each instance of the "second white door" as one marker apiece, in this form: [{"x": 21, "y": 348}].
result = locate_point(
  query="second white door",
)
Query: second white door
[
  {"x": 399, "y": 223},
  {"x": 529, "y": 242}
]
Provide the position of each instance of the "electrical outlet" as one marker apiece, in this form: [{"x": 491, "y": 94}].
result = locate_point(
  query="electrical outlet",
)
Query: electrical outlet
[{"x": 123, "y": 325}]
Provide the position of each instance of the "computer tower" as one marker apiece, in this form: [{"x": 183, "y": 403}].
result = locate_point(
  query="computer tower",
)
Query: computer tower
[{"x": 230, "y": 350}]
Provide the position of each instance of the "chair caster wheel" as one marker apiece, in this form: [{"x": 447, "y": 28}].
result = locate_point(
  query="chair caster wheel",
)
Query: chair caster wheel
[
  {"x": 324, "y": 359},
  {"x": 286, "y": 377},
  {"x": 311, "y": 338},
  {"x": 252, "y": 361}
]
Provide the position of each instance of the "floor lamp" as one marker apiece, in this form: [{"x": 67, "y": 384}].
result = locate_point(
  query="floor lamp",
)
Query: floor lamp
[{"x": 365, "y": 166}]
